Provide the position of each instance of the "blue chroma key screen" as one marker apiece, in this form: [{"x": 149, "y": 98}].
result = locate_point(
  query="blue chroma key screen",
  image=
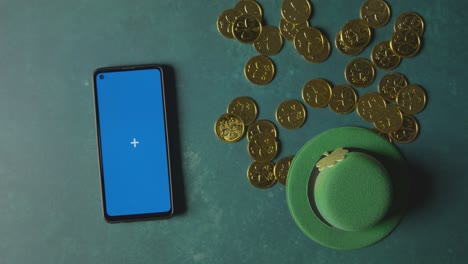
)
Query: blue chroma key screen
[{"x": 133, "y": 142}]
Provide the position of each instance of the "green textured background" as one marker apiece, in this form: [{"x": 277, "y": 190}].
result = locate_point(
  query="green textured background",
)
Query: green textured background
[{"x": 50, "y": 207}]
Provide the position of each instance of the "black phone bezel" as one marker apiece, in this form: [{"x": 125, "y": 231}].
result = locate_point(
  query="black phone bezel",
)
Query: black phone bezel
[{"x": 136, "y": 217}]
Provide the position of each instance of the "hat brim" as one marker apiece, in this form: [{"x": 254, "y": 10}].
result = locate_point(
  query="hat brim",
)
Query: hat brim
[{"x": 300, "y": 172}]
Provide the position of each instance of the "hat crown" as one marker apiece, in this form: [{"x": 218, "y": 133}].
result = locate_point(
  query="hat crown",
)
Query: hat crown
[{"x": 355, "y": 193}]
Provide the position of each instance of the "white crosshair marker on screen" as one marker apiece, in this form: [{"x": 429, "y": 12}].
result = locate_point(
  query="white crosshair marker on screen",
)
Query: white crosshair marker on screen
[{"x": 135, "y": 142}]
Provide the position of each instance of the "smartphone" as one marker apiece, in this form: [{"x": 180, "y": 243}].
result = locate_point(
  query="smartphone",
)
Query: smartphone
[{"x": 133, "y": 143}]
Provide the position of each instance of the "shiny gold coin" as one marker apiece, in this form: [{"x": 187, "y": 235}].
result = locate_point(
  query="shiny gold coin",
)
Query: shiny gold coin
[
  {"x": 405, "y": 43},
  {"x": 263, "y": 147},
  {"x": 261, "y": 175},
  {"x": 411, "y": 99},
  {"x": 360, "y": 72},
  {"x": 282, "y": 168},
  {"x": 384, "y": 135},
  {"x": 261, "y": 127},
  {"x": 289, "y": 30},
  {"x": 371, "y": 107},
  {"x": 343, "y": 100},
  {"x": 250, "y": 8},
  {"x": 229, "y": 128},
  {"x": 343, "y": 48},
  {"x": 226, "y": 20},
  {"x": 376, "y": 13},
  {"x": 291, "y": 114},
  {"x": 246, "y": 28},
  {"x": 410, "y": 21},
  {"x": 391, "y": 84},
  {"x": 245, "y": 108},
  {"x": 391, "y": 121},
  {"x": 309, "y": 42},
  {"x": 296, "y": 11},
  {"x": 270, "y": 41},
  {"x": 317, "y": 93},
  {"x": 356, "y": 34},
  {"x": 408, "y": 131},
  {"x": 259, "y": 70},
  {"x": 383, "y": 56},
  {"x": 322, "y": 56}
]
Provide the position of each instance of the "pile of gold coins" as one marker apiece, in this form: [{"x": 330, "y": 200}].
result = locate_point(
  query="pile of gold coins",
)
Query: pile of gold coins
[
  {"x": 356, "y": 34},
  {"x": 244, "y": 23},
  {"x": 309, "y": 41},
  {"x": 405, "y": 42},
  {"x": 263, "y": 143},
  {"x": 390, "y": 109},
  {"x": 409, "y": 99}
]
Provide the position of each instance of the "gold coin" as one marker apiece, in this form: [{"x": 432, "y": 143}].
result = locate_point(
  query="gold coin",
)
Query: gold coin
[
  {"x": 317, "y": 93},
  {"x": 391, "y": 84},
  {"x": 270, "y": 41},
  {"x": 360, "y": 72},
  {"x": 411, "y": 99},
  {"x": 376, "y": 13},
  {"x": 263, "y": 147},
  {"x": 289, "y": 30},
  {"x": 324, "y": 54},
  {"x": 384, "y": 135},
  {"x": 405, "y": 43},
  {"x": 282, "y": 168},
  {"x": 259, "y": 70},
  {"x": 309, "y": 42},
  {"x": 384, "y": 57},
  {"x": 391, "y": 121},
  {"x": 226, "y": 20},
  {"x": 356, "y": 34},
  {"x": 371, "y": 107},
  {"x": 343, "y": 48},
  {"x": 410, "y": 21},
  {"x": 250, "y": 8},
  {"x": 408, "y": 131},
  {"x": 296, "y": 11},
  {"x": 291, "y": 114},
  {"x": 261, "y": 175},
  {"x": 245, "y": 108},
  {"x": 260, "y": 127},
  {"x": 343, "y": 100},
  {"x": 229, "y": 128},
  {"x": 246, "y": 28}
]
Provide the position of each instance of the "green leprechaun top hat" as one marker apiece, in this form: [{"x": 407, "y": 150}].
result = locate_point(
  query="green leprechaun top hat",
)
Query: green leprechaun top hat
[{"x": 347, "y": 188}]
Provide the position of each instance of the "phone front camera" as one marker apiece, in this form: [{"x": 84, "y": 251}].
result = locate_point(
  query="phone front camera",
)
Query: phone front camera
[{"x": 101, "y": 77}]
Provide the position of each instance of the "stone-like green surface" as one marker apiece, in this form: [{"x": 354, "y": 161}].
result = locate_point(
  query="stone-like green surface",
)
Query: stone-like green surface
[{"x": 50, "y": 207}]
